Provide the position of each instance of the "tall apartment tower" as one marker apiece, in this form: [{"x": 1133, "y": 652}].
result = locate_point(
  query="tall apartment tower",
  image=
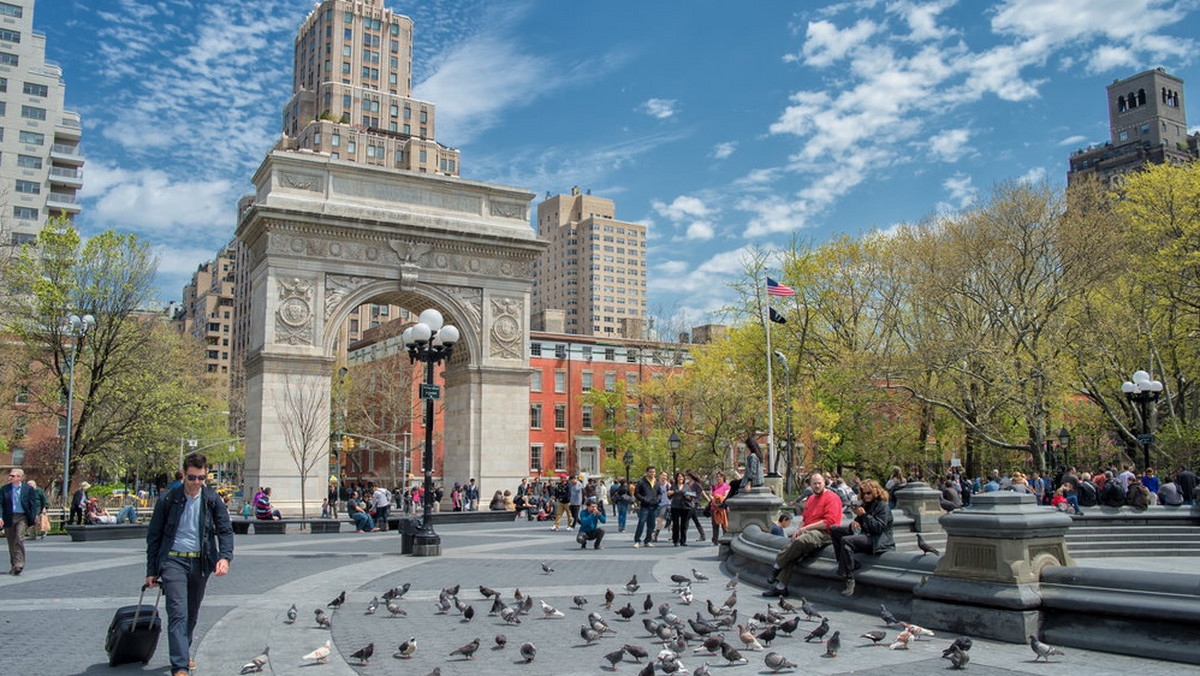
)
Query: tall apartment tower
[
  {"x": 42, "y": 167},
  {"x": 594, "y": 269},
  {"x": 352, "y": 91},
  {"x": 1147, "y": 123},
  {"x": 208, "y": 313}
]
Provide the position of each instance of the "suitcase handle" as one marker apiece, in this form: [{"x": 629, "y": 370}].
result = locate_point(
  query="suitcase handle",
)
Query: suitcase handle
[{"x": 141, "y": 597}]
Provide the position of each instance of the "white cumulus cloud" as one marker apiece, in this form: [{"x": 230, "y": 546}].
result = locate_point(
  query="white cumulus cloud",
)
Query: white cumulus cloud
[
  {"x": 660, "y": 108},
  {"x": 948, "y": 146},
  {"x": 723, "y": 150}
]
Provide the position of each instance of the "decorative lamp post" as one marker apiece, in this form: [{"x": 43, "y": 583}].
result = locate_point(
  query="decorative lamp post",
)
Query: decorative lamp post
[
  {"x": 76, "y": 327},
  {"x": 1064, "y": 443},
  {"x": 628, "y": 458},
  {"x": 673, "y": 442},
  {"x": 429, "y": 342},
  {"x": 1142, "y": 391},
  {"x": 787, "y": 377}
]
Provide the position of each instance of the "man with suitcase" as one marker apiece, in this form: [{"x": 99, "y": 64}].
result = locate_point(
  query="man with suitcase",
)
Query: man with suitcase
[
  {"x": 18, "y": 510},
  {"x": 190, "y": 537}
]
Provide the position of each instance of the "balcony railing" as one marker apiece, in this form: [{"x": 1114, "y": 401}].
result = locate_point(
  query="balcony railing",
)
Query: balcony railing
[
  {"x": 63, "y": 172},
  {"x": 62, "y": 198}
]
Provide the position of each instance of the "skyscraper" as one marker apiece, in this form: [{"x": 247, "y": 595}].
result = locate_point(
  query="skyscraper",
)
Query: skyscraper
[
  {"x": 1147, "y": 123},
  {"x": 352, "y": 91},
  {"x": 41, "y": 165},
  {"x": 594, "y": 269}
]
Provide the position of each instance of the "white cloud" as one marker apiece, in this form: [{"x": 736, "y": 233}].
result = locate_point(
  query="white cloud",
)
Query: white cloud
[
  {"x": 150, "y": 201},
  {"x": 921, "y": 18},
  {"x": 825, "y": 44},
  {"x": 962, "y": 193},
  {"x": 683, "y": 207},
  {"x": 723, "y": 150},
  {"x": 1033, "y": 176},
  {"x": 1073, "y": 140},
  {"x": 672, "y": 267},
  {"x": 948, "y": 146},
  {"x": 1107, "y": 57},
  {"x": 700, "y": 231},
  {"x": 659, "y": 108}
]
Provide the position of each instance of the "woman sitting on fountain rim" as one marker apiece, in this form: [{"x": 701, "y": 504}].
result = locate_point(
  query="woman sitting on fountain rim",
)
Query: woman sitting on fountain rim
[{"x": 870, "y": 532}]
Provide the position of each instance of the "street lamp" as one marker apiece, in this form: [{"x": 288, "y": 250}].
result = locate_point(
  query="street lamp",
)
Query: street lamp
[
  {"x": 673, "y": 442},
  {"x": 628, "y": 463},
  {"x": 1142, "y": 391},
  {"x": 76, "y": 327},
  {"x": 787, "y": 376},
  {"x": 1064, "y": 442},
  {"x": 429, "y": 342}
]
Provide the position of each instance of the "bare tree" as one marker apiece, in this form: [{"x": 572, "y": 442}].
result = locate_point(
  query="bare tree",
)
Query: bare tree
[{"x": 304, "y": 416}]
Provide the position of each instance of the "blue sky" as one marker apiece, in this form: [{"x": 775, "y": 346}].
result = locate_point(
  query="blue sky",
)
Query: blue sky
[{"x": 722, "y": 125}]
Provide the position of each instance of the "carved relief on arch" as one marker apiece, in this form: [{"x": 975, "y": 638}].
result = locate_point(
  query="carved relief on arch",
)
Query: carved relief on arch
[
  {"x": 337, "y": 287},
  {"x": 294, "y": 314},
  {"x": 471, "y": 301},
  {"x": 507, "y": 333}
]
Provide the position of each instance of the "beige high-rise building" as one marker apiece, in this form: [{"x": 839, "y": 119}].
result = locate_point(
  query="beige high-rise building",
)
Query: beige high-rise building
[
  {"x": 352, "y": 91},
  {"x": 208, "y": 313},
  {"x": 594, "y": 269},
  {"x": 42, "y": 168}
]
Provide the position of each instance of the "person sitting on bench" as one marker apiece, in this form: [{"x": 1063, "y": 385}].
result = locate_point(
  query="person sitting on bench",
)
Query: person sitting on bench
[
  {"x": 263, "y": 509},
  {"x": 822, "y": 511}
]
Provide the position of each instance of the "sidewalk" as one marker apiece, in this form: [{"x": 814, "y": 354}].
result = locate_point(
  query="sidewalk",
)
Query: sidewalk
[{"x": 69, "y": 592}]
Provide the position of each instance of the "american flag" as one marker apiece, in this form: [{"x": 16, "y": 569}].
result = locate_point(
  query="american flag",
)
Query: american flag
[{"x": 774, "y": 288}]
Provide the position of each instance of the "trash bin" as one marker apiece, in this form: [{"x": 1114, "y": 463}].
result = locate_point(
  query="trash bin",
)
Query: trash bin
[{"x": 409, "y": 526}]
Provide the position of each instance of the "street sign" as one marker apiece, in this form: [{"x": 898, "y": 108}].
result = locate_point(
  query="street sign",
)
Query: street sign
[
  {"x": 1145, "y": 439},
  {"x": 431, "y": 391}
]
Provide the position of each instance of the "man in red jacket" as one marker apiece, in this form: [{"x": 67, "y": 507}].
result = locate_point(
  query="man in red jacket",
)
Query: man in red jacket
[{"x": 822, "y": 511}]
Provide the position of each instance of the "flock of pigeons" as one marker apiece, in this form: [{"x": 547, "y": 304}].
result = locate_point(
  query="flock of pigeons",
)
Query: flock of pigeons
[{"x": 674, "y": 637}]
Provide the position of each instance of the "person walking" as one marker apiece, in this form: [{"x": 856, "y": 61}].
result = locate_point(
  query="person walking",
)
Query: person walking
[
  {"x": 190, "y": 537},
  {"x": 646, "y": 494},
  {"x": 621, "y": 498},
  {"x": 79, "y": 502},
  {"x": 696, "y": 489},
  {"x": 574, "y": 501},
  {"x": 681, "y": 509},
  {"x": 383, "y": 505},
  {"x": 716, "y": 496},
  {"x": 18, "y": 509},
  {"x": 40, "y": 524},
  {"x": 471, "y": 496}
]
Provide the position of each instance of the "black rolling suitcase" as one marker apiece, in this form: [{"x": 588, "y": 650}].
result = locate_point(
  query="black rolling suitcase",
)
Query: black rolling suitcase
[{"x": 133, "y": 634}]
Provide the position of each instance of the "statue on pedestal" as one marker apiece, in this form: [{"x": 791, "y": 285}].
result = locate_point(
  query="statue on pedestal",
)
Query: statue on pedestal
[{"x": 754, "y": 468}]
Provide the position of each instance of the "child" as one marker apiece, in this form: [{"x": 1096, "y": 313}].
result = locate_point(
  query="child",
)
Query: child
[
  {"x": 779, "y": 528},
  {"x": 325, "y": 508}
]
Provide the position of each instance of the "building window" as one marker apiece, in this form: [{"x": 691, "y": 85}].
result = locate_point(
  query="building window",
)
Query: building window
[
  {"x": 535, "y": 349},
  {"x": 7, "y": 9},
  {"x": 586, "y": 417},
  {"x": 560, "y": 457},
  {"x": 610, "y": 381},
  {"x": 29, "y": 187},
  {"x": 22, "y": 395},
  {"x": 535, "y": 381},
  {"x": 535, "y": 416},
  {"x": 631, "y": 381},
  {"x": 587, "y": 381},
  {"x": 33, "y": 113},
  {"x": 29, "y": 162},
  {"x": 560, "y": 416},
  {"x": 560, "y": 381},
  {"x": 7, "y": 59},
  {"x": 560, "y": 351},
  {"x": 25, "y": 213},
  {"x": 36, "y": 89},
  {"x": 535, "y": 457},
  {"x": 631, "y": 356},
  {"x": 610, "y": 354}
]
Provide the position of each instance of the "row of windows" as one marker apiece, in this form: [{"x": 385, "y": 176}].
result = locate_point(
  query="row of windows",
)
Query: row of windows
[{"x": 560, "y": 457}]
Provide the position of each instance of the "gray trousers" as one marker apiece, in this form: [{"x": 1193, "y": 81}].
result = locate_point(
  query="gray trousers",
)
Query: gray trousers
[
  {"x": 14, "y": 532},
  {"x": 183, "y": 585},
  {"x": 806, "y": 544}
]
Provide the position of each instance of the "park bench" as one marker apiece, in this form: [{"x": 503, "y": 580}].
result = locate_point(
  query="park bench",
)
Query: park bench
[
  {"x": 279, "y": 527},
  {"x": 107, "y": 531}
]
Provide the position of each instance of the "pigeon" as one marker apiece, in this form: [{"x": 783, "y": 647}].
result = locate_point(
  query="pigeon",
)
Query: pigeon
[
  {"x": 363, "y": 655},
  {"x": 588, "y": 634},
  {"x": 488, "y": 592},
  {"x": 809, "y": 612},
  {"x": 726, "y": 620},
  {"x": 459, "y": 605},
  {"x": 396, "y": 592},
  {"x": 901, "y": 642},
  {"x": 789, "y": 626},
  {"x": 681, "y": 580},
  {"x": 925, "y": 547},
  {"x": 700, "y": 577},
  {"x": 686, "y": 596},
  {"x": 615, "y": 657},
  {"x": 372, "y": 606},
  {"x": 961, "y": 643},
  {"x": 497, "y": 606},
  {"x": 648, "y": 604},
  {"x": 546, "y": 569},
  {"x": 665, "y": 632},
  {"x": 679, "y": 645},
  {"x": 406, "y": 649},
  {"x": 1040, "y": 649},
  {"x": 517, "y": 595},
  {"x": 917, "y": 632},
  {"x": 957, "y": 656},
  {"x": 731, "y": 654},
  {"x": 608, "y": 598},
  {"x": 550, "y": 611},
  {"x": 579, "y": 602},
  {"x": 819, "y": 632},
  {"x": 627, "y": 612},
  {"x": 650, "y": 624},
  {"x": 395, "y": 609},
  {"x": 501, "y": 641},
  {"x": 528, "y": 651},
  {"x": 526, "y": 605},
  {"x": 886, "y": 615},
  {"x": 337, "y": 601},
  {"x": 733, "y": 581},
  {"x": 786, "y": 607},
  {"x": 256, "y": 665},
  {"x": 767, "y": 635},
  {"x": 702, "y": 670},
  {"x": 468, "y": 614},
  {"x": 833, "y": 645},
  {"x": 748, "y": 639},
  {"x": 632, "y": 588},
  {"x": 701, "y": 628},
  {"x": 731, "y": 601},
  {"x": 636, "y": 652},
  {"x": 600, "y": 627},
  {"x": 509, "y": 615},
  {"x": 647, "y": 670},
  {"x": 775, "y": 662},
  {"x": 291, "y": 615},
  {"x": 321, "y": 655},
  {"x": 632, "y": 581},
  {"x": 467, "y": 651},
  {"x": 712, "y": 644},
  {"x": 452, "y": 591},
  {"x": 875, "y": 636},
  {"x": 444, "y": 604},
  {"x": 323, "y": 620}
]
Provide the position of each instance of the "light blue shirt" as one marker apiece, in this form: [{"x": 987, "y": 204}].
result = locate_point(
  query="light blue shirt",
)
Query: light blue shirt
[
  {"x": 187, "y": 536},
  {"x": 17, "y": 507}
]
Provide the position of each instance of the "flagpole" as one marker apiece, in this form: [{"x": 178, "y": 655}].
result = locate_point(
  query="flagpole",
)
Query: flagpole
[{"x": 770, "y": 393}]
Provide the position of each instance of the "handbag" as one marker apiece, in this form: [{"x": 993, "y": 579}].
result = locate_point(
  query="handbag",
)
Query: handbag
[
  {"x": 708, "y": 510},
  {"x": 44, "y": 522},
  {"x": 627, "y": 499}
]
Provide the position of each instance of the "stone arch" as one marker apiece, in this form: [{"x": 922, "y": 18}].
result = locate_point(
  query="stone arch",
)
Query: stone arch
[{"x": 324, "y": 236}]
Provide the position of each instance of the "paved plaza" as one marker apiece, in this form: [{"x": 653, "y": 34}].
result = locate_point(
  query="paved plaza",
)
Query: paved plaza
[{"x": 54, "y": 616}]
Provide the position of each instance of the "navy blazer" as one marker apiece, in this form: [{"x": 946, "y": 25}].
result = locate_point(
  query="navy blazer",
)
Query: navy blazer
[
  {"x": 29, "y": 502},
  {"x": 216, "y": 532}
]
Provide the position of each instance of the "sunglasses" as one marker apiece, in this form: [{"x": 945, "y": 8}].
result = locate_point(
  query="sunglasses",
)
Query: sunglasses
[{"x": 195, "y": 477}]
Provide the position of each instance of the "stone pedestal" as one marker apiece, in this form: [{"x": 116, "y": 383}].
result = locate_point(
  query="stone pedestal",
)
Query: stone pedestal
[
  {"x": 775, "y": 483},
  {"x": 921, "y": 502},
  {"x": 424, "y": 545},
  {"x": 986, "y": 582},
  {"x": 757, "y": 505}
]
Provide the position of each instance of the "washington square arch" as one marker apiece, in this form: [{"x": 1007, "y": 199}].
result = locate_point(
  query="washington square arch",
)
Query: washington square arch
[{"x": 324, "y": 236}]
